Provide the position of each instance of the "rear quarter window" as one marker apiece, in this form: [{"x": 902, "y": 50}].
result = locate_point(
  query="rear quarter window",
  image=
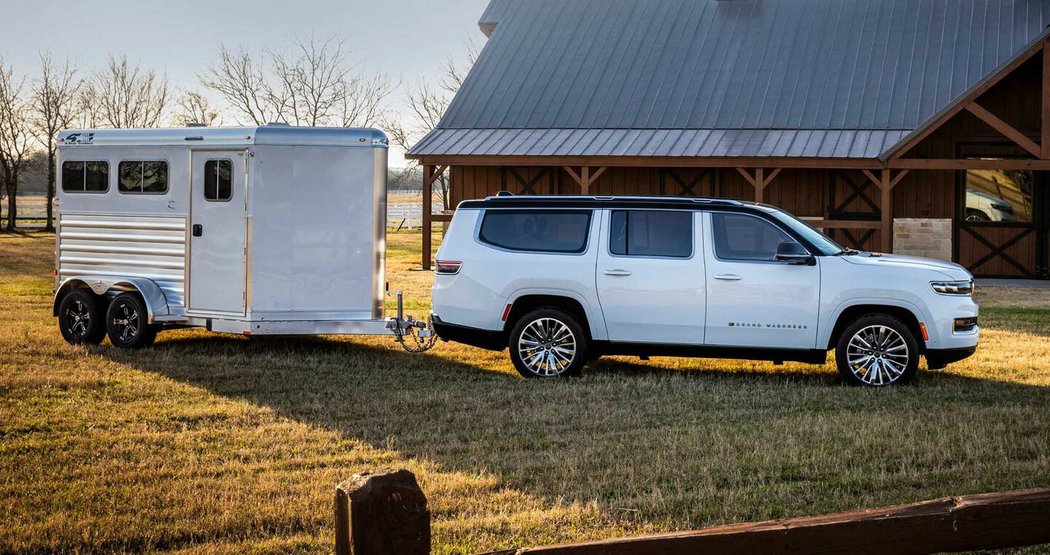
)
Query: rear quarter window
[{"x": 555, "y": 231}]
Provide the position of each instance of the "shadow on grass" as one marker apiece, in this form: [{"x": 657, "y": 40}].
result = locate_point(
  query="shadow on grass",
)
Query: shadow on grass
[{"x": 626, "y": 430}]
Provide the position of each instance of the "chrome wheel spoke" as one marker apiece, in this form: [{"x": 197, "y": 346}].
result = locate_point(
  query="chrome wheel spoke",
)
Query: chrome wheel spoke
[
  {"x": 877, "y": 355},
  {"x": 547, "y": 347}
]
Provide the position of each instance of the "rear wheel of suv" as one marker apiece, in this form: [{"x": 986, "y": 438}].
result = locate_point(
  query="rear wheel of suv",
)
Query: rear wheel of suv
[
  {"x": 548, "y": 343},
  {"x": 877, "y": 350}
]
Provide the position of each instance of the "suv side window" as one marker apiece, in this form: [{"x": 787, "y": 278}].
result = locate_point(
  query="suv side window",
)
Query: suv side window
[
  {"x": 557, "y": 231},
  {"x": 651, "y": 233},
  {"x": 745, "y": 237}
]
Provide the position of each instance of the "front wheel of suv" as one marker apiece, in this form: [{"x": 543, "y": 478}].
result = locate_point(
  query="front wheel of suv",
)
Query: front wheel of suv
[
  {"x": 877, "y": 350},
  {"x": 548, "y": 343}
]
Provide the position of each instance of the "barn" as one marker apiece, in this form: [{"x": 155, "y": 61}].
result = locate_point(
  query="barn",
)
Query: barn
[{"x": 908, "y": 126}]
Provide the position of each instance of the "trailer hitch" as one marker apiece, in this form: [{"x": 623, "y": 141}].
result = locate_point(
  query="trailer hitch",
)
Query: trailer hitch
[{"x": 415, "y": 336}]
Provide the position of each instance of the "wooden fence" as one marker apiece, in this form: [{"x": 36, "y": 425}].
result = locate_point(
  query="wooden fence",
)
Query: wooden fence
[{"x": 386, "y": 513}]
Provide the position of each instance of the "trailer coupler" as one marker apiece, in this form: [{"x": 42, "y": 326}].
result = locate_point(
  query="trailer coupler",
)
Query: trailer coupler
[{"x": 415, "y": 336}]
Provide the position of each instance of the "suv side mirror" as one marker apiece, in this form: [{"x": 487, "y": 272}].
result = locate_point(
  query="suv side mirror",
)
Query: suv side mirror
[{"x": 793, "y": 253}]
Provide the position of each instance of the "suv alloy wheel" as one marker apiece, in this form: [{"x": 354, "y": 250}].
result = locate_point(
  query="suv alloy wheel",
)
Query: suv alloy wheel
[
  {"x": 548, "y": 343},
  {"x": 877, "y": 350}
]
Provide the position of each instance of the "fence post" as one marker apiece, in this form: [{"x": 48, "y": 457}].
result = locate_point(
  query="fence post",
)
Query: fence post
[{"x": 382, "y": 513}]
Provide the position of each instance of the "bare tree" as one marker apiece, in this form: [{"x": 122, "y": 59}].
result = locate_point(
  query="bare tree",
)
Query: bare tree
[
  {"x": 122, "y": 95},
  {"x": 54, "y": 103},
  {"x": 314, "y": 84},
  {"x": 15, "y": 136},
  {"x": 428, "y": 104},
  {"x": 194, "y": 108}
]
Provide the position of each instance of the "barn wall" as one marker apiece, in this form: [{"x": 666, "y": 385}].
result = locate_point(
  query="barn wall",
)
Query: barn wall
[{"x": 1016, "y": 100}]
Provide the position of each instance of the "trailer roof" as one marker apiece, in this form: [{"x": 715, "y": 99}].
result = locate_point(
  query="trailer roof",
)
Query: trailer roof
[{"x": 226, "y": 136}]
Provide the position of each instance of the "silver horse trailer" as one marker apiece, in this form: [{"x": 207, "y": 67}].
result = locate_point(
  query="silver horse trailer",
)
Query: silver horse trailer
[{"x": 271, "y": 230}]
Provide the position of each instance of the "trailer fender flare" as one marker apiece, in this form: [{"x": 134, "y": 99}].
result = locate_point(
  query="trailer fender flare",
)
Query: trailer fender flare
[{"x": 156, "y": 301}]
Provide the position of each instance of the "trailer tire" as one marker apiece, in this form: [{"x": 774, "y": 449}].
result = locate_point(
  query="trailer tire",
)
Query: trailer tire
[
  {"x": 81, "y": 318},
  {"x": 548, "y": 343},
  {"x": 126, "y": 322}
]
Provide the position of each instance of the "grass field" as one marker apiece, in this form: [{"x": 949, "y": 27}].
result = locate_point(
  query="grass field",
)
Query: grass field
[{"x": 220, "y": 444}]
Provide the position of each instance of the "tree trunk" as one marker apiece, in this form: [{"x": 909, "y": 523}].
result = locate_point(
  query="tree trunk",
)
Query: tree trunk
[
  {"x": 50, "y": 188},
  {"x": 12, "y": 209},
  {"x": 12, "y": 200}
]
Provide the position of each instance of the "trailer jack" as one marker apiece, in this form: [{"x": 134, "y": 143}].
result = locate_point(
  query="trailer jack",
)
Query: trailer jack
[{"x": 415, "y": 336}]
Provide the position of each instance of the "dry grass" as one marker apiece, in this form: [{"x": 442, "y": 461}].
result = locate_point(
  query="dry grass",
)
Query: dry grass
[{"x": 211, "y": 443}]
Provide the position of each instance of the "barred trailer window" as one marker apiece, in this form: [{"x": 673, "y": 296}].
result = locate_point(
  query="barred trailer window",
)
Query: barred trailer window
[
  {"x": 85, "y": 177},
  {"x": 558, "y": 231},
  {"x": 148, "y": 177},
  {"x": 218, "y": 180}
]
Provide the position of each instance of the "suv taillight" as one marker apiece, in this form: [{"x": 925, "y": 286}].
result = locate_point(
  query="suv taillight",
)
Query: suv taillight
[{"x": 448, "y": 268}]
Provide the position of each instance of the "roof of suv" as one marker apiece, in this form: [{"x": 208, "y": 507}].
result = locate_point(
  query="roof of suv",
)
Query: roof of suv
[{"x": 536, "y": 201}]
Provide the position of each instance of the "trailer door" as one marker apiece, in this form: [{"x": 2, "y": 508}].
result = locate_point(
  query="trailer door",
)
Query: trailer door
[{"x": 217, "y": 233}]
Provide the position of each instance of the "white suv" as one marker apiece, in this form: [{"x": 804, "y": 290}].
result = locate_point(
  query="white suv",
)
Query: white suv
[{"x": 563, "y": 280}]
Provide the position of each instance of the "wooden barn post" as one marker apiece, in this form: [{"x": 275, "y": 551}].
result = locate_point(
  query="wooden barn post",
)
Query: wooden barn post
[{"x": 384, "y": 513}]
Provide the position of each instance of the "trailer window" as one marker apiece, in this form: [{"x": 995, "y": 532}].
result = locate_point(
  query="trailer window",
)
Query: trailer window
[
  {"x": 85, "y": 177},
  {"x": 559, "y": 231},
  {"x": 651, "y": 233},
  {"x": 218, "y": 180},
  {"x": 143, "y": 177}
]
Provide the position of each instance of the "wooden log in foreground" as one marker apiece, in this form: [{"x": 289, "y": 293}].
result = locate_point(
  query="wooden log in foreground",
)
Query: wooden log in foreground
[
  {"x": 381, "y": 513},
  {"x": 973, "y": 522}
]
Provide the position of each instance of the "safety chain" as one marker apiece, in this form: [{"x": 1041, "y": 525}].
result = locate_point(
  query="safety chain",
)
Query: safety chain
[{"x": 417, "y": 344}]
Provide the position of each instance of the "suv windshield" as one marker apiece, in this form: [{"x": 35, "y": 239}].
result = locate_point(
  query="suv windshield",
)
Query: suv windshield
[{"x": 821, "y": 242}]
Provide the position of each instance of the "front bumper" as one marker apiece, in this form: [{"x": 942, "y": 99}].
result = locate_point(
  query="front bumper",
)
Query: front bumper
[{"x": 939, "y": 358}]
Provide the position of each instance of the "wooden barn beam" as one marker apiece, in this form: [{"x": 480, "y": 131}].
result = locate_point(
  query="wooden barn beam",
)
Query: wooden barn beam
[
  {"x": 886, "y": 181},
  {"x": 760, "y": 180},
  {"x": 430, "y": 175},
  {"x": 585, "y": 178},
  {"x": 1006, "y": 129},
  {"x": 957, "y": 164},
  {"x": 886, "y": 205},
  {"x": 1045, "y": 137}
]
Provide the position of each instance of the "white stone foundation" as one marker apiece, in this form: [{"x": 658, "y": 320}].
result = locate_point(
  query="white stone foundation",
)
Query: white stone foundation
[{"x": 930, "y": 238}]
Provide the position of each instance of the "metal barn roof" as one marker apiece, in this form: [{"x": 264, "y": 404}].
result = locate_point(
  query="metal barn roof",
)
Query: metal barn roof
[{"x": 768, "y": 78}]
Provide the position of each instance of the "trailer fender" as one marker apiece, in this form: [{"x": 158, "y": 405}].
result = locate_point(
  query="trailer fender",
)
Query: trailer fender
[{"x": 156, "y": 302}]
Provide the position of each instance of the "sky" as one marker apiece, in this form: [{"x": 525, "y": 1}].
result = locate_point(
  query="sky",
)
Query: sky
[{"x": 407, "y": 39}]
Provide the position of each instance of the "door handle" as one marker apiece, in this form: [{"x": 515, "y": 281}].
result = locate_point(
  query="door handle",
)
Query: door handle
[
  {"x": 728, "y": 277},
  {"x": 617, "y": 273},
  {"x": 198, "y": 230}
]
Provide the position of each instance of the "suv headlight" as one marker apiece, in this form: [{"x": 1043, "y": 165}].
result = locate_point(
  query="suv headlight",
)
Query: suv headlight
[{"x": 953, "y": 287}]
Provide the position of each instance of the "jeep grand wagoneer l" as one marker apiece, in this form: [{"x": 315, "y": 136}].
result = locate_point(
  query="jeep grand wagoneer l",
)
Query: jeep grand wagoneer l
[{"x": 562, "y": 280}]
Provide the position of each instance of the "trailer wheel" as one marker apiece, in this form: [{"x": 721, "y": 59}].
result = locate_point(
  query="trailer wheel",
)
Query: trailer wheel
[
  {"x": 548, "y": 343},
  {"x": 877, "y": 350},
  {"x": 126, "y": 322},
  {"x": 81, "y": 319}
]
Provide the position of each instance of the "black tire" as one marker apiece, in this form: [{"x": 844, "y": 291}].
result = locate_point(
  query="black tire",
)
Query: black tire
[
  {"x": 975, "y": 215},
  {"x": 126, "y": 322},
  {"x": 884, "y": 352},
  {"x": 556, "y": 334},
  {"x": 81, "y": 318}
]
